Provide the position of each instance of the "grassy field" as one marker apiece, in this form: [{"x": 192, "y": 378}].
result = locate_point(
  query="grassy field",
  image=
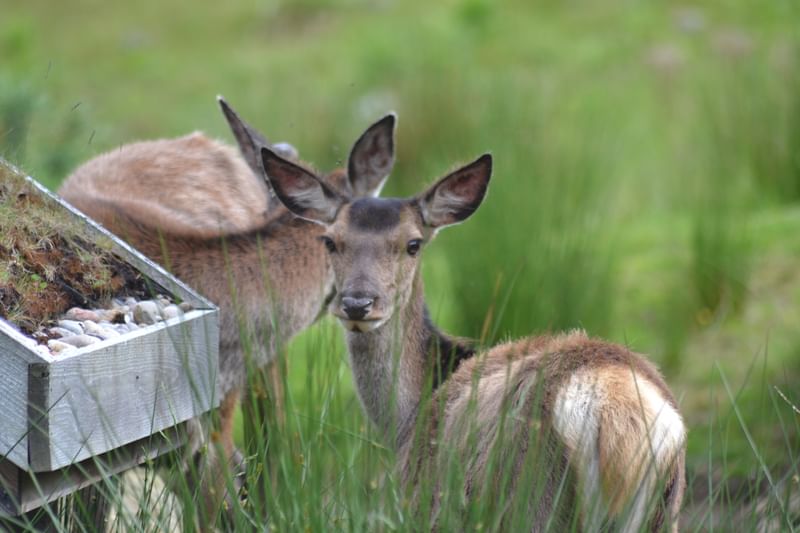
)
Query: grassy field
[{"x": 646, "y": 188}]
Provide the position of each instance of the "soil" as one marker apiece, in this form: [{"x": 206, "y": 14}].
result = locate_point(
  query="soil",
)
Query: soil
[{"x": 50, "y": 261}]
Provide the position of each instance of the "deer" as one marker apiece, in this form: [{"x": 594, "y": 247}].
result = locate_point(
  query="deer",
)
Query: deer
[
  {"x": 606, "y": 424},
  {"x": 205, "y": 212}
]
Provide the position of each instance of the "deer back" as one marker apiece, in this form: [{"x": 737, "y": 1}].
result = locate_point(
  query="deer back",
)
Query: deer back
[{"x": 189, "y": 186}]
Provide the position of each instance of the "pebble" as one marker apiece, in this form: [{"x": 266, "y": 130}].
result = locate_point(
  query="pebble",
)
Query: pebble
[
  {"x": 71, "y": 325},
  {"x": 57, "y": 346},
  {"x": 186, "y": 307},
  {"x": 96, "y": 330},
  {"x": 116, "y": 314},
  {"x": 38, "y": 335},
  {"x": 60, "y": 332},
  {"x": 79, "y": 341},
  {"x": 81, "y": 315},
  {"x": 146, "y": 312},
  {"x": 171, "y": 311}
]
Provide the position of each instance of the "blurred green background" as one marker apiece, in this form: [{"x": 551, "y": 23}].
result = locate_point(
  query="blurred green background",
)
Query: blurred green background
[{"x": 647, "y": 161}]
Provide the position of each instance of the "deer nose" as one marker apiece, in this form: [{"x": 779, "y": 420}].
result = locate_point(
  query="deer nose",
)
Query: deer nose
[{"x": 356, "y": 308}]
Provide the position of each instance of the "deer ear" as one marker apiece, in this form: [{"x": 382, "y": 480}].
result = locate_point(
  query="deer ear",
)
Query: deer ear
[
  {"x": 372, "y": 158},
  {"x": 456, "y": 196},
  {"x": 303, "y": 193},
  {"x": 248, "y": 138}
]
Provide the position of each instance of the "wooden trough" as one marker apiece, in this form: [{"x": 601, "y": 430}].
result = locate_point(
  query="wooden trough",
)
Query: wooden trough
[{"x": 66, "y": 420}]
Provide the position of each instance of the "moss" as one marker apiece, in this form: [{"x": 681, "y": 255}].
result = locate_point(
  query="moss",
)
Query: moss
[{"x": 49, "y": 259}]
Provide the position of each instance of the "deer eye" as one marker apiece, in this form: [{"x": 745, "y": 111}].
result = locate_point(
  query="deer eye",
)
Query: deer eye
[
  {"x": 413, "y": 246},
  {"x": 329, "y": 244}
]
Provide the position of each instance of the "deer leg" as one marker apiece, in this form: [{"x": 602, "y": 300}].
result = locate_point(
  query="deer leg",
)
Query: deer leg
[
  {"x": 227, "y": 411},
  {"x": 215, "y": 467}
]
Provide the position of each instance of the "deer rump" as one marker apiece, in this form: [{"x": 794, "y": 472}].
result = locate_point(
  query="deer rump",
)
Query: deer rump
[{"x": 548, "y": 425}]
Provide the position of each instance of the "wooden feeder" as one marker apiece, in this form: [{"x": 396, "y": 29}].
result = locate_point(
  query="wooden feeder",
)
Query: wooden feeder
[{"x": 66, "y": 420}]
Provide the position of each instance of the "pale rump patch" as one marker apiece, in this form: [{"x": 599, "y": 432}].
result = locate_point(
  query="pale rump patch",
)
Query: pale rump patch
[
  {"x": 576, "y": 419},
  {"x": 654, "y": 457},
  {"x": 624, "y": 438}
]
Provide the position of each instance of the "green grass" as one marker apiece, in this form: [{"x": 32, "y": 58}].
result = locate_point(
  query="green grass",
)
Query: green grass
[{"x": 646, "y": 188}]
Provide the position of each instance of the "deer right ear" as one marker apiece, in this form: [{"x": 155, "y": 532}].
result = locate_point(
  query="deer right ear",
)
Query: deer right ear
[
  {"x": 456, "y": 196},
  {"x": 299, "y": 190},
  {"x": 249, "y": 139},
  {"x": 372, "y": 158}
]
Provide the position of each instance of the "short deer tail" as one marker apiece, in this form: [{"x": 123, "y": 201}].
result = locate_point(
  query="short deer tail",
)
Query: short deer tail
[{"x": 625, "y": 441}]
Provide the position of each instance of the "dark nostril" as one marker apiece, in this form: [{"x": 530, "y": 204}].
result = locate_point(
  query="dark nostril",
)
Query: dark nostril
[{"x": 356, "y": 308}]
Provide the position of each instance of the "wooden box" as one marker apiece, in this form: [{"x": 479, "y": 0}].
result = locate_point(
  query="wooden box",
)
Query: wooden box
[{"x": 61, "y": 412}]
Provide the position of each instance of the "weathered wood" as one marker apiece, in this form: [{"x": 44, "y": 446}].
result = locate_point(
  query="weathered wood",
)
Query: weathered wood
[
  {"x": 100, "y": 398},
  {"x": 15, "y": 356},
  {"x": 22, "y": 491},
  {"x": 60, "y": 410},
  {"x": 38, "y": 412}
]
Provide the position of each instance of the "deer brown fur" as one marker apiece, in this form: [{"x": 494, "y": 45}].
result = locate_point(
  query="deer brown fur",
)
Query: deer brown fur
[
  {"x": 192, "y": 186},
  {"x": 596, "y": 419},
  {"x": 204, "y": 211}
]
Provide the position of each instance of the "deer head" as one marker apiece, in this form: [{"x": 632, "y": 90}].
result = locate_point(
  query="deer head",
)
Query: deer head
[{"x": 375, "y": 244}]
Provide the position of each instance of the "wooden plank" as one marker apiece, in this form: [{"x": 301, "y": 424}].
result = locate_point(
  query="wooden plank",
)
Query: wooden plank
[
  {"x": 104, "y": 397},
  {"x": 21, "y": 491},
  {"x": 14, "y": 360},
  {"x": 38, "y": 414}
]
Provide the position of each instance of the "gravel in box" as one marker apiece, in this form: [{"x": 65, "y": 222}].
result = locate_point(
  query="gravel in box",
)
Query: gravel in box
[{"x": 83, "y": 327}]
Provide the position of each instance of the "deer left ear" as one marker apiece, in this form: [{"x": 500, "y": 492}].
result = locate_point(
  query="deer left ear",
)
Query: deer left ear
[
  {"x": 372, "y": 158},
  {"x": 456, "y": 196},
  {"x": 303, "y": 193}
]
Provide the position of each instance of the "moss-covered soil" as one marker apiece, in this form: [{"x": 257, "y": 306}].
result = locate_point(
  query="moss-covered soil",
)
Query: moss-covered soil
[{"x": 50, "y": 261}]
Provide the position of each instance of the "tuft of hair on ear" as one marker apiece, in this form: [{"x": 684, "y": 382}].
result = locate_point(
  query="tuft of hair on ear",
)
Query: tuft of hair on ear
[
  {"x": 299, "y": 189},
  {"x": 372, "y": 157},
  {"x": 455, "y": 197}
]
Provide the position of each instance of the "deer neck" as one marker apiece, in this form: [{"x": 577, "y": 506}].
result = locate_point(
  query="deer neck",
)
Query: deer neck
[{"x": 395, "y": 362}]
